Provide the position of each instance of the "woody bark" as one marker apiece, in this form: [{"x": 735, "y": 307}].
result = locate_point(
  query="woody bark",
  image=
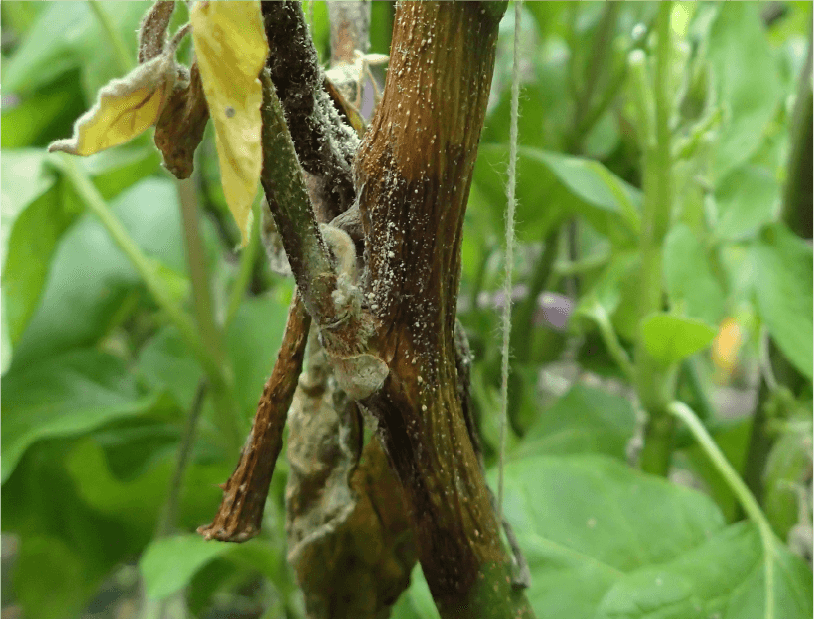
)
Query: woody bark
[{"x": 414, "y": 170}]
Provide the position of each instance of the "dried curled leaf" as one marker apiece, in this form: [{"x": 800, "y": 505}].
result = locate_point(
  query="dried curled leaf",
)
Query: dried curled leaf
[
  {"x": 125, "y": 109},
  {"x": 231, "y": 48},
  {"x": 181, "y": 125}
]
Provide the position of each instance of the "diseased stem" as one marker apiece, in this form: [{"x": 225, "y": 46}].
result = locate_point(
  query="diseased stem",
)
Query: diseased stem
[
  {"x": 652, "y": 381},
  {"x": 244, "y": 495},
  {"x": 288, "y": 200}
]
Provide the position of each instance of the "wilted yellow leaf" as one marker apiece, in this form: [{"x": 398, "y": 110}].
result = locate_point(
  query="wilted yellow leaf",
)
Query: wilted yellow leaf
[
  {"x": 231, "y": 48},
  {"x": 125, "y": 108}
]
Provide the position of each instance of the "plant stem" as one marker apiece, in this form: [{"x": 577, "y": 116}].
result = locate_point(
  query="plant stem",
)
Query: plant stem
[
  {"x": 796, "y": 211},
  {"x": 244, "y": 274},
  {"x": 652, "y": 381},
  {"x": 612, "y": 344},
  {"x": 166, "y": 521},
  {"x": 741, "y": 491},
  {"x": 523, "y": 319},
  {"x": 123, "y": 57},
  {"x": 144, "y": 265},
  {"x": 219, "y": 376},
  {"x": 596, "y": 68}
]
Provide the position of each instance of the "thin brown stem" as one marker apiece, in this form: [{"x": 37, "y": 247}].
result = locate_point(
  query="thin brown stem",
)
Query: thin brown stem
[{"x": 244, "y": 495}]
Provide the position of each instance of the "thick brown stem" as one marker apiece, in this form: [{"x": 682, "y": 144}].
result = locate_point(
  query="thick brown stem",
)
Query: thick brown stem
[
  {"x": 244, "y": 495},
  {"x": 414, "y": 168}
]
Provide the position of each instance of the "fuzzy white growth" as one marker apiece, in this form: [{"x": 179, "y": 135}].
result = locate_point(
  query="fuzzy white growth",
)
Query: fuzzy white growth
[
  {"x": 509, "y": 257},
  {"x": 347, "y": 296}
]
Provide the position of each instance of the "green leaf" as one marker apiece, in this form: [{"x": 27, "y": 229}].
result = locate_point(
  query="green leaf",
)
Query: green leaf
[
  {"x": 736, "y": 40},
  {"x": 43, "y": 117},
  {"x": 783, "y": 287},
  {"x": 722, "y": 577},
  {"x": 37, "y": 209},
  {"x": 688, "y": 277},
  {"x": 599, "y": 535},
  {"x": 670, "y": 339},
  {"x": 252, "y": 342},
  {"x": 168, "y": 564},
  {"x": 49, "y": 579},
  {"x": 552, "y": 186},
  {"x": 136, "y": 501},
  {"x": 92, "y": 276},
  {"x": 65, "y": 396},
  {"x": 65, "y": 36},
  {"x": 747, "y": 198},
  {"x": 166, "y": 362},
  {"x": 783, "y": 478},
  {"x": 583, "y": 420}
]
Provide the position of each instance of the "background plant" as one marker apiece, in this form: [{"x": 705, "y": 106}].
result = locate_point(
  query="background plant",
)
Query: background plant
[{"x": 625, "y": 109}]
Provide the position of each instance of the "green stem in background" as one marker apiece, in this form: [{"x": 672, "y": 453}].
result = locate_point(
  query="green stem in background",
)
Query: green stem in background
[
  {"x": 166, "y": 522},
  {"x": 741, "y": 491},
  {"x": 523, "y": 319},
  {"x": 123, "y": 57},
  {"x": 244, "y": 274},
  {"x": 797, "y": 200},
  {"x": 652, "y": 381},
  {"x": 596, "y": 67},
  {"x": 612, "y": 344},
  {"x": 220, "y": 378},
  {"x": 145, "y": 266}
]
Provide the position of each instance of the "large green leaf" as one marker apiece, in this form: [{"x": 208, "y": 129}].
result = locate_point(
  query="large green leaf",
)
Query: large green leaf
[
  {"x": 783, "y": 286},
  {"x": 37, "y": 209},
  {"x": 66, "y": 548},
  {"x": 252, "y": 343},
  {"x": 68, "y": 35},
  {"x": 721, "y": 577},
  {"x": 603, "y": 540},
  {"x": 91, "y": 276},
  {"x": 168, "y": 564},
  {"x": 749, "y": 97},
  {"x": 590, "y": 527},
  {"x": 44, "y": 116},
  {"x": 688, "y": 277},
  {"x": 747, "y": 198},
  {"x": 65, "y": 396},
  {"x": 670, "y": 339},
  {"x": 583, "y": 420},
  {"x": 552, "y": 186}
]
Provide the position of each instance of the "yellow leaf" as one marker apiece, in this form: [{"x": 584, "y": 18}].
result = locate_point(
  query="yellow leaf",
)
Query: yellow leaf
[
  {"x": 231, "y": 48},
  {"x": 125, "y": 109}
]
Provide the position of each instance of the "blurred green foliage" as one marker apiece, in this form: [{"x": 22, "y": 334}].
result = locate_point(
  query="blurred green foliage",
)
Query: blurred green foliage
[{"x": 98, "y": 383}]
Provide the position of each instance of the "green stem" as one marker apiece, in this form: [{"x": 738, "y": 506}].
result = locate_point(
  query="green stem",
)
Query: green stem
[
  {"x": 523, "y": 319},
  {"x": 612, "y": 343},
  {"x": 596, "y": 67},
  {"x": 652, "y": 380},
  {"x": 741, "y": 491},
  {"x": 166, "y": 521},
  {"x": 144, "y": 265},
  {"x": 219, "y": 376},
  {"x": 123, "y": 57},
  {"x": 244, "y": 274}
]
